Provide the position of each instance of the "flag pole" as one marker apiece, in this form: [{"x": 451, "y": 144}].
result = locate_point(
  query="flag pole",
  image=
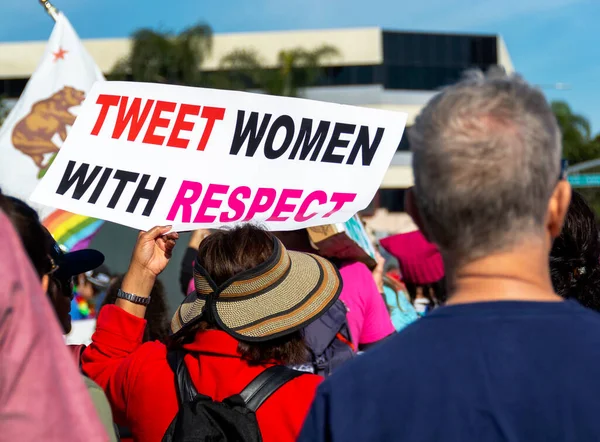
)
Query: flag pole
[{"x": 50, "y": 9}]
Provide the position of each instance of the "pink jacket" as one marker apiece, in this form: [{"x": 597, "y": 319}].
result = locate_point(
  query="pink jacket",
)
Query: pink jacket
[{"x": 42, "y": 394}]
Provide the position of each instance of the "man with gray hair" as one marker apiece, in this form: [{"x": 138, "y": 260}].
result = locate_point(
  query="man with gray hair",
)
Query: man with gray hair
[{"x": 506, "y": 359}]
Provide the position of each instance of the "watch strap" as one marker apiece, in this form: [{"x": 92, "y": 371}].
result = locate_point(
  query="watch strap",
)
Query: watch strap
[{"x": 133, "y": 298}]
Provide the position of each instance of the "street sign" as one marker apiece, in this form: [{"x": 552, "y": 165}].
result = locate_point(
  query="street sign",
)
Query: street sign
[{"x": 589, "y": 180}]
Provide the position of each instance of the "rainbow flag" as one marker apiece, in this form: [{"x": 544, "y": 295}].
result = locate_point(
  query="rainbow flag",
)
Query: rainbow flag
[{"x": 74, "y": 232}]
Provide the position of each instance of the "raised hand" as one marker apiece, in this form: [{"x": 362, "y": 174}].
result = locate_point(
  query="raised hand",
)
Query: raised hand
[{"x": 153, "y": 250}]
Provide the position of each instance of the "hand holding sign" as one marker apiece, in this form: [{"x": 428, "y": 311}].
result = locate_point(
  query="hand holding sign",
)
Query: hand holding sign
[
  {"x": 153, "y": 250},
  {"x": 147, "y": 154},
  {"x": 150, "y": 257}
]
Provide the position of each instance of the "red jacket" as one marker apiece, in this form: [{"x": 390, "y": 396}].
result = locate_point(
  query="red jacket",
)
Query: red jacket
[{"x": 140, "y": 384}]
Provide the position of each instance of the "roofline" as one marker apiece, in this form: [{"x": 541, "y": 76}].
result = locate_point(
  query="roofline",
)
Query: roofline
[
  {"x": 291, "y": 31},
  {"x": 444, "y": 33}
]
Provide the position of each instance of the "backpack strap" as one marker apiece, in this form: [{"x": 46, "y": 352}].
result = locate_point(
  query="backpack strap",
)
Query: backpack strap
[
  {"x": 265, "y": 384},
  {"x": 185, "y": 387}
]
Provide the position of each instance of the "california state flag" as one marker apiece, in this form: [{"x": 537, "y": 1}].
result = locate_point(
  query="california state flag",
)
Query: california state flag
[{"x": 40, "y": 121}]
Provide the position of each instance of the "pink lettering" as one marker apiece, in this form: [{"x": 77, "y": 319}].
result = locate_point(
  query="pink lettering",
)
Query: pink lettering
[
  {"x": 282, "y": 205},
  {"x": 340, "y": 199},
  {"x": 263, "y": 200},
  {"x": 210, "y": 203},
  {"x": 317, "y": 195},
  {"x": 185, "y": 202},
  {"x": 236, "y": 205}
]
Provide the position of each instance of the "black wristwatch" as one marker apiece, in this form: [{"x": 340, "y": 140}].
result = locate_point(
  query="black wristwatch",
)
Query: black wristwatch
[{"x": 133, "y": 298}]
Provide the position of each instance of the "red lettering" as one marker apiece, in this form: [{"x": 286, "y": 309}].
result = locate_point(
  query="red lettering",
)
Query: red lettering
[
  {"x": 210, "y": 203},
  {"x": 211, "y": 114},
  {"x": 282, "y": 205},
  {"x": 185, "y": 202},
  {"x": 132, "y": 117},
  {"x": 258, "y": 205},
  {"x": 158, "y": 121},
  {"x": 106, "y": 101},
  {"x": 181, "y": 124},
  {"x": 236, "y": 205},
  {"x": 340, "y": 198},
  {"x": 317, "y": 195}
]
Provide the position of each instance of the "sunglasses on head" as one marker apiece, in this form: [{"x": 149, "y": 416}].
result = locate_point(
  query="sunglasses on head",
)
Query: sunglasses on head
[{"x": 564, "y": 165}]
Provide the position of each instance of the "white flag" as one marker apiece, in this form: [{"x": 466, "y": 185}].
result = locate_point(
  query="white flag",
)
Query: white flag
[{"x": 40, "y": 121}]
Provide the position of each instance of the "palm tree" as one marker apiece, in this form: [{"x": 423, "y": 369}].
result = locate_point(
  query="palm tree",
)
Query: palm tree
[
  {"x": 162, "y": 57},
  {"x": 578, "y": 144},
  {"x": 295, "y": 69}
]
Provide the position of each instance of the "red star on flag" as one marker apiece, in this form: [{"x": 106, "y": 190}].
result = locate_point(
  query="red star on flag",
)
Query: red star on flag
[{"x": 60, "y": 54}]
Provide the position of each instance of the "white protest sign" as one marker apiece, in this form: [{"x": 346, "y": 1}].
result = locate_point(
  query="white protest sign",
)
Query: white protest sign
[{"x": 146, "y": 154}]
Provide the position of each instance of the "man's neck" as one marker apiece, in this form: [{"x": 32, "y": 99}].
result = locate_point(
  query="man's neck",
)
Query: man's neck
[{"x": 518, "y": 275}]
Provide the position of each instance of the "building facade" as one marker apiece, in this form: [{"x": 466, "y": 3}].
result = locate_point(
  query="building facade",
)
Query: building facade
[{"x": 392, "y": 70}]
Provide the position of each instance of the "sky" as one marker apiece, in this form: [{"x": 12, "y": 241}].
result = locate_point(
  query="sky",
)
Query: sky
[{"x": 550, "y": 41}]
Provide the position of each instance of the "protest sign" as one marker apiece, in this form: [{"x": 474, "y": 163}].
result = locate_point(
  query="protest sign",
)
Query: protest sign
[
  {"x": 147, "y": 154},
  {"x": 81, "y": 332}
]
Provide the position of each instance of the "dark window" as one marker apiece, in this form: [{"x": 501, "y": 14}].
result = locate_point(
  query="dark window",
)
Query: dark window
[
  {"x": 392, "y": 199},
  {"x": 429, "y": 61},
  {"x": 370, "y": 210},
  {"x": 350, "y": 75},
  {"x": 12, "y": 88},
  {"x": 420, "y": 77},
  {"x": 404, "y": 144}
]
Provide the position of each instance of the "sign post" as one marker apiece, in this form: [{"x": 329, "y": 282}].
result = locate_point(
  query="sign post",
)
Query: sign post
[{"x": 588, "y": 180}]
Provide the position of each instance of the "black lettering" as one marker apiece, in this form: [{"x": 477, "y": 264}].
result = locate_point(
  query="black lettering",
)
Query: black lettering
[
  {"x": 242, "y": 133},
  {"x": 283, "y": 121},
  {"x": 339, "y": 129},
  {"x": 308, "y": 142},
  {"x": 148, "y": 194},
  {"x": 362, "y": 144},
  {"x": 100, "y": 186},
  {"x": 124, "y": 178},
  {"x": 79, "y": 178}
]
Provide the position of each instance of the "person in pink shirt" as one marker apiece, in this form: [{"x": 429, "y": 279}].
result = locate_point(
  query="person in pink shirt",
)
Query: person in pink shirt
[
  {"x": 368, "y": 317},
  {"x": 42, "y": 395}
]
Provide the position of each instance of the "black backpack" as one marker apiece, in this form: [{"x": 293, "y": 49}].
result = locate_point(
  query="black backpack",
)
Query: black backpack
[{"x": 200, "y": 419}]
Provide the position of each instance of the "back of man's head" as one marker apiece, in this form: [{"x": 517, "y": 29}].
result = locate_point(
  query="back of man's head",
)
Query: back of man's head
[{"x": 486, "y": 159}]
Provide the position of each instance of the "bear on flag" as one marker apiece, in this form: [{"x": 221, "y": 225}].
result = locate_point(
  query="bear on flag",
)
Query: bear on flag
[{"x": 39, "y": 123}]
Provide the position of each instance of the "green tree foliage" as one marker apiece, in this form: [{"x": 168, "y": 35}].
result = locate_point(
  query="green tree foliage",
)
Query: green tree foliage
[
  {"x": 162, "y": 57},
  {"x": 579, "y": 146},
  {"x": 295, "y": 69},
  {"x": 578, "y": 143}
]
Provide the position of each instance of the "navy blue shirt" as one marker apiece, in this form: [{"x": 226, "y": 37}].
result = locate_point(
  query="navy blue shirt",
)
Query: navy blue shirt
[{"x": 490, "y": 371}]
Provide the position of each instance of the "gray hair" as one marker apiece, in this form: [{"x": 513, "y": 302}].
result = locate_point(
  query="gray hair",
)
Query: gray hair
[{"x": 486, "y": 159}]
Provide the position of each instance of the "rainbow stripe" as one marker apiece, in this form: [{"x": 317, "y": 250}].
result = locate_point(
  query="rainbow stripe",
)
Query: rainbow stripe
[{"x": 74, "y": 232}]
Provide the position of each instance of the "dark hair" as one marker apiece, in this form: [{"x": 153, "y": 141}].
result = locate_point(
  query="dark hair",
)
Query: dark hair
[
  {"x": 33, "y": 234},
  {"x": 157, "y": 312},
  {"x": 435, "y": 292},
  {"x": 574, "y": 259},
  {"x": 226, "y": 253}
]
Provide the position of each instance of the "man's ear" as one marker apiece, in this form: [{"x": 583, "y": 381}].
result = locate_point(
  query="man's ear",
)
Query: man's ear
[
  {"x": 558, "y": 206},
  {"x": 410, "y": 205}
]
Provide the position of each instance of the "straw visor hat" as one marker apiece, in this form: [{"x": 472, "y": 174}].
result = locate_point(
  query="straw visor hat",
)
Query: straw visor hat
[{"x": 283, "y": 294}]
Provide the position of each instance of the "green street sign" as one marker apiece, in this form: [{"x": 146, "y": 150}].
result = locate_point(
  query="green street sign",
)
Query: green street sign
[{"x": 590, "y": 180}]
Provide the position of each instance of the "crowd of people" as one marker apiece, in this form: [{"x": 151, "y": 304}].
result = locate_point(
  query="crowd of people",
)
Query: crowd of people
[{"x": 482, "y": 325}]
